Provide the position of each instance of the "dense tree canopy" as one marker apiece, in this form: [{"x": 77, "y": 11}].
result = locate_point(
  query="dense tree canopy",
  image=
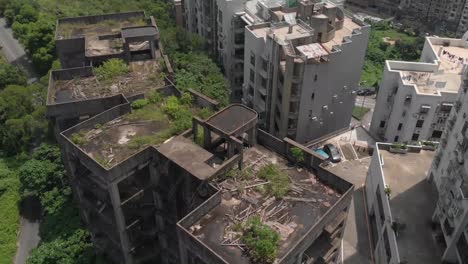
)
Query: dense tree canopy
[
  {"x": 399, "y": 45},
  {"x": 11, "y": 75}
]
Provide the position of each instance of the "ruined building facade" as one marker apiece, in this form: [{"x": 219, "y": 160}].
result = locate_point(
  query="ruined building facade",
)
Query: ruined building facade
[{"x": 148, "y": 196}]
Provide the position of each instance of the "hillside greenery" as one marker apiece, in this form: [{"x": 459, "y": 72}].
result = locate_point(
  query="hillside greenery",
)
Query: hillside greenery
[
  {"x": 23, "y": 125},
  {"x": 9, "y": 222},
  {"x": 388, "y": 43}
]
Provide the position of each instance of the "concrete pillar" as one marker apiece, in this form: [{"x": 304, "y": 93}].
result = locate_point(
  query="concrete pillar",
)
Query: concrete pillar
[
  {"x": 206, "y": 137},
  {"x": 153, "y": 49},
  {"x": 194, "y": 130},
  {"x": 126, "y": 47},
  {"x": 120, "y": 222},
  {"x": 252, "y": 136},
  {"x": 299, "y": 259}
]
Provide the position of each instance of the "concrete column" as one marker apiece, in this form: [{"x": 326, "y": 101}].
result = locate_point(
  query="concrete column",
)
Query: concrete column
[
  {"x": 120, "y": 222},
  {"x": 252, "y": 136},
  {"x": 206, "y": 137},
  {"x": 126, "y": 47},
  {"x": 152, "y": 47},
  {"x": 299, "y": 259},
  {"x": 194, "y": 130}
]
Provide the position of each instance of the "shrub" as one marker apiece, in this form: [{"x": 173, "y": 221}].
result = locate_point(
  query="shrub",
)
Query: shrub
[
  {"x": 279, "y": 180},
  {"x": 155, "y": 97},
  {"x": 399, "y": 146},
  {"x": 78, "y": 139},
  {"x": 111, "y": 69},
  {"x": 186, "y": 99},
  {"x": 140, "y": 103},
  {"x": 204, "y": 113},
  {"x": 298, "y": 154},
  {"x": 261, "y": 240}
]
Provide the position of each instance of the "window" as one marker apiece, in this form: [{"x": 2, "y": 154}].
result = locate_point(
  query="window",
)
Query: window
[
  {"x": 424, "y": 109},
  {"x": 315, "y": 78},
  {"x": 446, "y": 107},
  {"x": 396, "y": 138},
  {"x": 400, "y": 126},
  {"x": 252, "y": 59},
  {"x": 437, "y": 134},
  {"x": 419, "y": 123},
  {"x": 462, "y": 247},
  {"x": 465, "y": 127},
  {"x": 382, "y": 124},
  {"x": 386, "y": 242},
  {"x": 380, "y": 205},
  {"x": 264, "y": 82},
  {"x": 313, "y": 96},
  {"x": 415, "y": 137},
  {"x": 252, "y": 76}
]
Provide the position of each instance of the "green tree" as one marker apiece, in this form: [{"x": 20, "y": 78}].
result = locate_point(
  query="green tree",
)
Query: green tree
[
  {"x": 11, "y": 75},
  {"x": 45, "y": 178}
]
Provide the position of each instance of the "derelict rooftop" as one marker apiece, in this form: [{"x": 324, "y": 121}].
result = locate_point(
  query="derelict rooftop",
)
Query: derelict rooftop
[
  {"x": 80, "y": 84},
  {"x": 117, "y": 138},
  {"x": 86, "y": 40},
  {"x": 293, "y": 215}
]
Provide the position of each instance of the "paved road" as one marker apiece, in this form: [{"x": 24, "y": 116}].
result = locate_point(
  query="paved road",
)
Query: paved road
[
  {"x": 28, "y": 239},
  {"x": 369, "y": 101},
  {"x": 14, "y": 52}
]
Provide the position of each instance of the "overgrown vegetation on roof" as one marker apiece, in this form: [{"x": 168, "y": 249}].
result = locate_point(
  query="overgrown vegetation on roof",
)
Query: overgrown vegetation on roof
[
  {"x": 261, "y": 240},
  {"x": 279, "y": 180},
  {"x": 111, "y": 69},
  {"x": 298, "y": 154}
]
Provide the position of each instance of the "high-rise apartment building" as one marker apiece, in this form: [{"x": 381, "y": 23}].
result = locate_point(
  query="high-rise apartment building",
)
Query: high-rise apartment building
[
  {"x": 449, "y": 172},
  {"x": 400, "y": 203},
  {"x": 415, "y": 98},
  {"x": 301, "y": 72}
]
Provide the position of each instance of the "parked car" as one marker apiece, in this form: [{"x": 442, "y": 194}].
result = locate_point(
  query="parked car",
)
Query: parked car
[
  {"x": 365, "y": 92},
  {"x": 333, "y": 152},
  {"x": 322, "y": 153}
]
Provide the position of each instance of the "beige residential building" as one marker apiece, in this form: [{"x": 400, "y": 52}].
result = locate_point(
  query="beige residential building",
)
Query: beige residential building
[
  {"x": 415, "y": 98},
  {"x": 301, "y": 74},
  {"x": 449, "y": 172}
]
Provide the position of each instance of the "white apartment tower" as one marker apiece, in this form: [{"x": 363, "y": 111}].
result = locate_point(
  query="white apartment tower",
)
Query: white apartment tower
[
  {"x": 415, "y": 98},
  {"x": 302, "y": 69},
  {"x": 449, "y": 172}
]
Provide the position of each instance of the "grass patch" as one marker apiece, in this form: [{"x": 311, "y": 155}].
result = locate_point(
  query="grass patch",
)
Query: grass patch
[
  {"x": 261, "y": 240},
  {"x": 359, "y": 112},
  {"x": 9, "y": 222},
  {"x": 406, "y": 47},
  {"x": 78, "y": 138},
  {"x": 111, "y": 69},
  {"x": 279, "y": 180}
]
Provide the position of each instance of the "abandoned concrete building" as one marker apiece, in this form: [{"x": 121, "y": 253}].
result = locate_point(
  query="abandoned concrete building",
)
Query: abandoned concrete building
[
  {"x": 75, "y": 92},
  {"x": 151, "y": 191},
  {"x": 89, "y": 40},
  {"x": 178, "y": 202}
]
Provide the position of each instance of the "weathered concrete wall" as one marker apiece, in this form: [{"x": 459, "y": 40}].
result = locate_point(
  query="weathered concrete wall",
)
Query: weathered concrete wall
[
  {"x": 270, "y": 142},
  {"x": 309, "y": 238},
  {"x": 190, "y": 245},
  {"x": 98, "y": 18}
]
